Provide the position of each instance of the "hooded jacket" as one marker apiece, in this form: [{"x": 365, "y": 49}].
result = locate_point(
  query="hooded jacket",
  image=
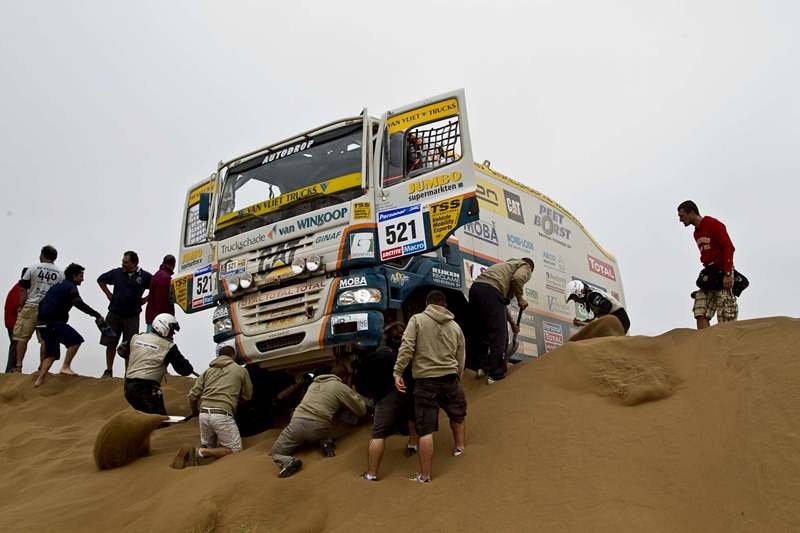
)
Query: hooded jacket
[
  {"x": 221, "y": 386},
  {"x": 508, "y": 277},
  {"x": 326, "y": 395},
  {"x": 433, "y": 343}
]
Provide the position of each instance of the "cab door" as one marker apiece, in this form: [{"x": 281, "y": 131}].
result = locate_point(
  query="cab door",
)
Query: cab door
[
  {"x": 426, "y": 183},
  {"x": 194, "y": 286}
]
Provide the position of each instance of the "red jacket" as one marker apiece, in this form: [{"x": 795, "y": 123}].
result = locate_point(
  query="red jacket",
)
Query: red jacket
[
  {"x": 158, "y": 300},
  {"x": 12, "y": 306},
  {"x": 714, "y": 243}
]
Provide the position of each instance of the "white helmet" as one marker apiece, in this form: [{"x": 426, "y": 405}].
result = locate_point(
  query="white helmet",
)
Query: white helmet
[
  {"x": 575, "y": 289},
  {"x": 165, "y": 324}
]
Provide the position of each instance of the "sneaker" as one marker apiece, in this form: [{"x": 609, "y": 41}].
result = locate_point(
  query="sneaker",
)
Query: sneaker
[
  {"x": 418, "y": 478},
  {"x": 457, "y": 451},
  {"x": 291, "y": 468},
  {"x": 368, "y": 477},
  {"x": 410, "y": 451},
  {"x": 490, "y": 381},
  {"x": 479, "y": 373},
  {"x": 107, "y": 374},
  {"x": 186, "y": 456}
]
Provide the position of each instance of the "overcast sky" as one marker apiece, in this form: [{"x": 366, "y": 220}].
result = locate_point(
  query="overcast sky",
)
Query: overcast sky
[{"x": 617, "y": 110}]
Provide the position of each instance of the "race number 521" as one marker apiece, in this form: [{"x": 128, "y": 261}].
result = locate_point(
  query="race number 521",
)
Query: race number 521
[{"x": 401, "y": 232}]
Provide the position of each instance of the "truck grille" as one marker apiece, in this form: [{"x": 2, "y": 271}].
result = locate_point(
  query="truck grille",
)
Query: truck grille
[
  {"x": 280, "y": 342},
  {"x": 275, "y": 309}
]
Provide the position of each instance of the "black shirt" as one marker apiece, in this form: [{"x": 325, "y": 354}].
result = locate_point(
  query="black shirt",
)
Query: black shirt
[
  {"x": 128, "y": 290},
  {"x": 58, "y": 301}
]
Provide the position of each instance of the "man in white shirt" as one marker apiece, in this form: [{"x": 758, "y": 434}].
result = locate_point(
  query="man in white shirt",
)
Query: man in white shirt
[{"x": 35, "y": 283}]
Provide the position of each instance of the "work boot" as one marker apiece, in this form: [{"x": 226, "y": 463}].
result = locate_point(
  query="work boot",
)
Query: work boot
[
  {"x": 107, "y": 374},
  {"x": 291, "y": 467}
]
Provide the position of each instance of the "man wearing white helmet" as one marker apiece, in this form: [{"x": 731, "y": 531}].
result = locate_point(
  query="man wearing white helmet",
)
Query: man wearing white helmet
[
  {"x": 148, "y": 357},
  {"x": 599, "y": 303}
]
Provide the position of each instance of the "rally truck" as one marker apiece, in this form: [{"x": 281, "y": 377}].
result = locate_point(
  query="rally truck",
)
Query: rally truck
[{"x": 305, "y": 249}]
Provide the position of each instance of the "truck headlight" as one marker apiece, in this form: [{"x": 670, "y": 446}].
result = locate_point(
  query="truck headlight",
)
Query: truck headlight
[
  {"x": 298, "y": 266},
  {"x": 233, "y": 283},
  {"x": 223, "y": 326},
  {"x": 245, "y": 280},
  {"x": 360, "y": 296},
  {"x": 313, "y": 262}
]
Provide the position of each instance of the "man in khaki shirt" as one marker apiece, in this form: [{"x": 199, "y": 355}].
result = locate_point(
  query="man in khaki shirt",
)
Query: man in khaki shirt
[
  {"x": 312, "y": 420},
  {"x": 434, "y": 345},
  {"x": 489, "y": 296},
  {"x": 215, "y": 396}
]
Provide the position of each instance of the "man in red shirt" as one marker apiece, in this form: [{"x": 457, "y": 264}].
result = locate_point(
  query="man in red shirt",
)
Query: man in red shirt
[
  {"x": 11, "y": 310},
  {"x": 159, "y": 300},
  {"x": 716, "y": 251}
]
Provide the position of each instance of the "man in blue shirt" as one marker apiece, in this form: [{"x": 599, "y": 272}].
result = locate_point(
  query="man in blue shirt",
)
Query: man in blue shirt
[
  {"x": 54, "y": 314},
  {"x": 125, "y": 304}
]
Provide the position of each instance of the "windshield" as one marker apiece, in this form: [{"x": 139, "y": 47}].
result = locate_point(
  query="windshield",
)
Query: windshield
[{"x": 312, "y": 173}]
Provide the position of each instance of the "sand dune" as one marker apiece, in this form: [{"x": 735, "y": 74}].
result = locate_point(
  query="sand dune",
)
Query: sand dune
[{"x": 689, "y": 431}]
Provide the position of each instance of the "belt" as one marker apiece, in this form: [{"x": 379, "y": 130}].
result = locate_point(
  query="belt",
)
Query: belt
[{"x": 214, "y": 411}]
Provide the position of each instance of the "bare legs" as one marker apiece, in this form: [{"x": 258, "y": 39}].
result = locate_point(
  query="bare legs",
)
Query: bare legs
[{"x": 66, "y": 367}]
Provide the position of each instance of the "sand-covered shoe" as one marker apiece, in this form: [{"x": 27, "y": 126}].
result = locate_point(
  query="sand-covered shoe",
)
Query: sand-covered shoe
[
  {"x": 418, "y": 478},
  {"x": 291, "y": 468},
  {"x": 186, "y": 456}
]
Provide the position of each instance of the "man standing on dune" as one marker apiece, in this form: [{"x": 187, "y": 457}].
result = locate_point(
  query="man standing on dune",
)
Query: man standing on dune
[
  {"x": 716, "y": 254},
  {"x": 54, "y": 315},
  {"x": 125, "y": 304},
  {"x": 434, "y": 345},
  {"x": 158, "y": 299}
]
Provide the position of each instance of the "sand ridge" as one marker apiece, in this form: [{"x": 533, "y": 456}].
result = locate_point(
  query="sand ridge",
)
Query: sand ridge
[{"x": 563, "y": 444}]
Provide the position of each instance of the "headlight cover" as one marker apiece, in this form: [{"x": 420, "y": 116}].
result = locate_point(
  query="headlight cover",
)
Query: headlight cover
[
  {"x": 359, "y": 296},
  {"x": 223, "y": 326}
]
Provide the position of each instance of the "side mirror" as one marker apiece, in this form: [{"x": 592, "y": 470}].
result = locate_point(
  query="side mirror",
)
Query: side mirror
[{"x": 205, "y": 204}]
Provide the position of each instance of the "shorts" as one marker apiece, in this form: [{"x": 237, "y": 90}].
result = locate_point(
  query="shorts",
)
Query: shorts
[
  {"x": 145, "y": 395},
  {"x": 54, "y": 335},
  {"x": 432, "y": 393},
  {"x": 392, "y": 414},
  {"x": 26, "y": 322},
  {"x": 217, "y": 430},
  {"x": 125, "y": 326},
  {"x": 722, "y": 303}
]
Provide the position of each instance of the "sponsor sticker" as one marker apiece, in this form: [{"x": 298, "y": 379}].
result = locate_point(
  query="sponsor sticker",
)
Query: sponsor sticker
[
  {"x": 420, "y": 115},
  {"x": 283, "y": 292},
  {"x": 552, "y": 225},
  {"x": 444, "y": 217},
  {"x": 553, "y": 261},
  {"x": 602, "y": 268},
  {"x": 191, "y": 258},
  {"x": 362, "y": 210},
  {"x": 203, "y": 287},
  {"x": 556, "y": 304},
  {"x": 328, "y": 237},
  {"x": 482, "y": 231},
  {"x": 514, "y": 206},
  {"x": 446, "y": 278},
  {"x": 230, "y": 268},
  {"x": 519, "y": 243},
  {"x": 473, "y": 270},
  {"x": 399, "y": 278},
  {"x": 553, "y": 335},
  {"x": 362, "y": 246},
  {"x": 489, "y": 197},
  {"x": 180, "y": 286},
  {"x": 434, "y": 186},
  {"x": 555, "y": 283},
  {"x": 361, "y": 320},
  {"x": 353, "y": 281},
  {"x": 401, "y": 232}
]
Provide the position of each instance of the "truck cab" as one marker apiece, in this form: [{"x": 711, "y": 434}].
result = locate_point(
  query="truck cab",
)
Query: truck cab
[{"x": 306, "y": 248}]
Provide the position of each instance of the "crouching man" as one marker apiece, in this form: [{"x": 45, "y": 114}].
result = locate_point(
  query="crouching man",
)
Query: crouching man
[
  {"x": 312, "y": 420},
  {"x": 215, "y": 396},
  {"x": 148, "y": 356}
]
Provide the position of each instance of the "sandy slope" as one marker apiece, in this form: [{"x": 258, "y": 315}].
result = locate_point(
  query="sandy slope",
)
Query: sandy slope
[{"x": 689, "y": 431}]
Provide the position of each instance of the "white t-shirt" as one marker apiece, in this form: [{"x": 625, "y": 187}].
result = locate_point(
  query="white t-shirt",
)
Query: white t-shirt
[{"x": 41, "y": 276}]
